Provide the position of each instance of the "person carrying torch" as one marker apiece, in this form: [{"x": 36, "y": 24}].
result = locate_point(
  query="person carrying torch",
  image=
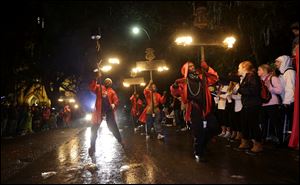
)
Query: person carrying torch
[{"x": 194, "y": 92}]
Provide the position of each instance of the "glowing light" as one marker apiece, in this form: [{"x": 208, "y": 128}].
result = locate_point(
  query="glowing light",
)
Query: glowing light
[
  {"x": 136, "y": 70},
  {"x": 97, "y": 37},
  {"x": 113, "y": 61},
  {"x": 88, "y": 117},
  {"x": 229, "y": 41},
  {"x": 72, "y": 100},
  {"x": 135, "y": 30},
  {"x": 92, "y": 106},
  {"x": 76, "y": 106},
  {"x": 126, "y": 84},
  {"x": 160, "y": 69},
  {"x": 185, "y": 40},
  {"x": 60, "y": 100},
  {"x": 143, "y": 84},
  {"x": 106, "y": 68}
]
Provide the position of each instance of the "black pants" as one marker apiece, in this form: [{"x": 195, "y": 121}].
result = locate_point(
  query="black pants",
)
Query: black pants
[
  {"x": 135, "y": 121},
  {"x": 112, "y": 126},
  {"x": 178, "y": 114},
  {"x": 202, "y": 135},
  {"x": 250, "y": 123},
  {"x": 271, "y": 120},
  {"x": 236, "y": 121},
  {"x": 287, "y": 115}
]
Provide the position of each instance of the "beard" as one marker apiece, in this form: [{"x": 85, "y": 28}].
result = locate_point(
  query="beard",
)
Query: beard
[{"x": 193, "y": 74}]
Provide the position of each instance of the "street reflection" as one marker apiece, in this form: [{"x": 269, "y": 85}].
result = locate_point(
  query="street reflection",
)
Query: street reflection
[
  {"x": 106, "y": 144},
  {"x": 70, "y": 152}
]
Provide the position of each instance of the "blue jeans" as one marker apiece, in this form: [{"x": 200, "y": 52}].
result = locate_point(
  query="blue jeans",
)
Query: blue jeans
[{"x": 153, "y": 121}]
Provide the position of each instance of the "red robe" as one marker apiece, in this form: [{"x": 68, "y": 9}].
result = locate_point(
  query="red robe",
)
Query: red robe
[
  {"x": 159, "y": 100},
  {"x": 211, "y": 78},
  {"x": 136, "y": 106},
  {"x": 112, "y": 97},
  {"x": 294, "y": 140}
]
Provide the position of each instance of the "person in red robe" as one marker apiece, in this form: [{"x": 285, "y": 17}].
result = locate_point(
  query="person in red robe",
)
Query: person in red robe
[
  {"x": 66, "y": 115},
  {"x": 105, "y": 105},
  {"x": 294, "y": 139},
  {"x": 151, "y": 114},
  {"x": 194, "y": 92},
  {"x": 136, "y": 108}
]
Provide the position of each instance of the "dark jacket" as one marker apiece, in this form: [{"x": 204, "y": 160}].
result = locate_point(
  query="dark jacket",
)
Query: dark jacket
[{"x": 250, "y": 89}]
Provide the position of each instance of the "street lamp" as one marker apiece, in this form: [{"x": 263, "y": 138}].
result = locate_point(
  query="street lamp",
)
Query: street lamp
[
  {"x": 126, "y": 84},
  {"x": 106, "y": 68},
  {"x": 72, "y": 100},
  {"x": 188, "y": 40},
  {"x": 229, "y": 41},
  {"x": 184, "y": 40},
  {"x": 113, "y": 61},
  {"x": 136, "y": 30}
]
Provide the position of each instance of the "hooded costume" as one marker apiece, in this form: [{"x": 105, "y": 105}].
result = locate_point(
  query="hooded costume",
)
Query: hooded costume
[
  {"x": 198, "y": 105},
  {"x": 136, "y": 106},
  {"x": 287, "y": 79},
  {"x": 158, "y": 99},
  {"x": 99, "y": 105},
  {"x": 210, "y": 78}
]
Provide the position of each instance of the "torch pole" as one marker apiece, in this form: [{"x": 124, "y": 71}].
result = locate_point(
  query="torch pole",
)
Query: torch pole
[
  {"x": 202, "y": 54},
  {"x": 151, "y": 75}
]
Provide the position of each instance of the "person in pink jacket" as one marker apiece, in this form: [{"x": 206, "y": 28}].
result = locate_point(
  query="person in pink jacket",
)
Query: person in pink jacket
[{"x": 271, "y": 110}]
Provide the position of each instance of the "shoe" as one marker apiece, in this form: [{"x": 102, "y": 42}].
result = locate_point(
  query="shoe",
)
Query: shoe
[
  {"x": 136, "y": 129},
  {"x": 147, "y": 137},
  {"x": 222, "y": 134},
  {"x": 238, "y": 136},
  {"x": 183, "y": 129},
  {"x": 200, "y": 158},
  {"x": 227, "y": 135},
  {"x": 249, "y": 152},
  {"x": 257, "y": 147},
  {"x": 244, "y": 144},
  {"x": 160, "y": 136}
]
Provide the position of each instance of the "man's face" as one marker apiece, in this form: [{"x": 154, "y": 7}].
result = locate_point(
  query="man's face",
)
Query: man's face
[
  {"x": 191, "y": 67},
  {"x": 153, "y": 87},
  {"x": 277, "y": 64}
]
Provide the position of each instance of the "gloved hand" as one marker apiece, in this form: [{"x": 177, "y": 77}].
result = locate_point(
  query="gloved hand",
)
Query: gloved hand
[
  {"x": 175, "y": 85},
  {"x": 113, "y": 106}
]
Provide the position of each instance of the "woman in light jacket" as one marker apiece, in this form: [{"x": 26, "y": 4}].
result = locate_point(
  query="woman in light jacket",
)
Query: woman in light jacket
[{"x": 271, "y": 111}]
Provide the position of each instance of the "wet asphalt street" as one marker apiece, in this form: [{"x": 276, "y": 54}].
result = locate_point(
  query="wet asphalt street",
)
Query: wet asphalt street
[{"x": 155, "y": 161}]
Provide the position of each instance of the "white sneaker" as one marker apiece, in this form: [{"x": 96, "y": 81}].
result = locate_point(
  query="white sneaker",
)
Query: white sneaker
[
  {"x": 147, "y": 137},
  {"x": 136, "y": 129},
  {"x": 184, "y": 129},
  {"x": 227, "y": 135},
  {"x": 160, "y": 136},
  {"x": 222, "y": 134}
]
